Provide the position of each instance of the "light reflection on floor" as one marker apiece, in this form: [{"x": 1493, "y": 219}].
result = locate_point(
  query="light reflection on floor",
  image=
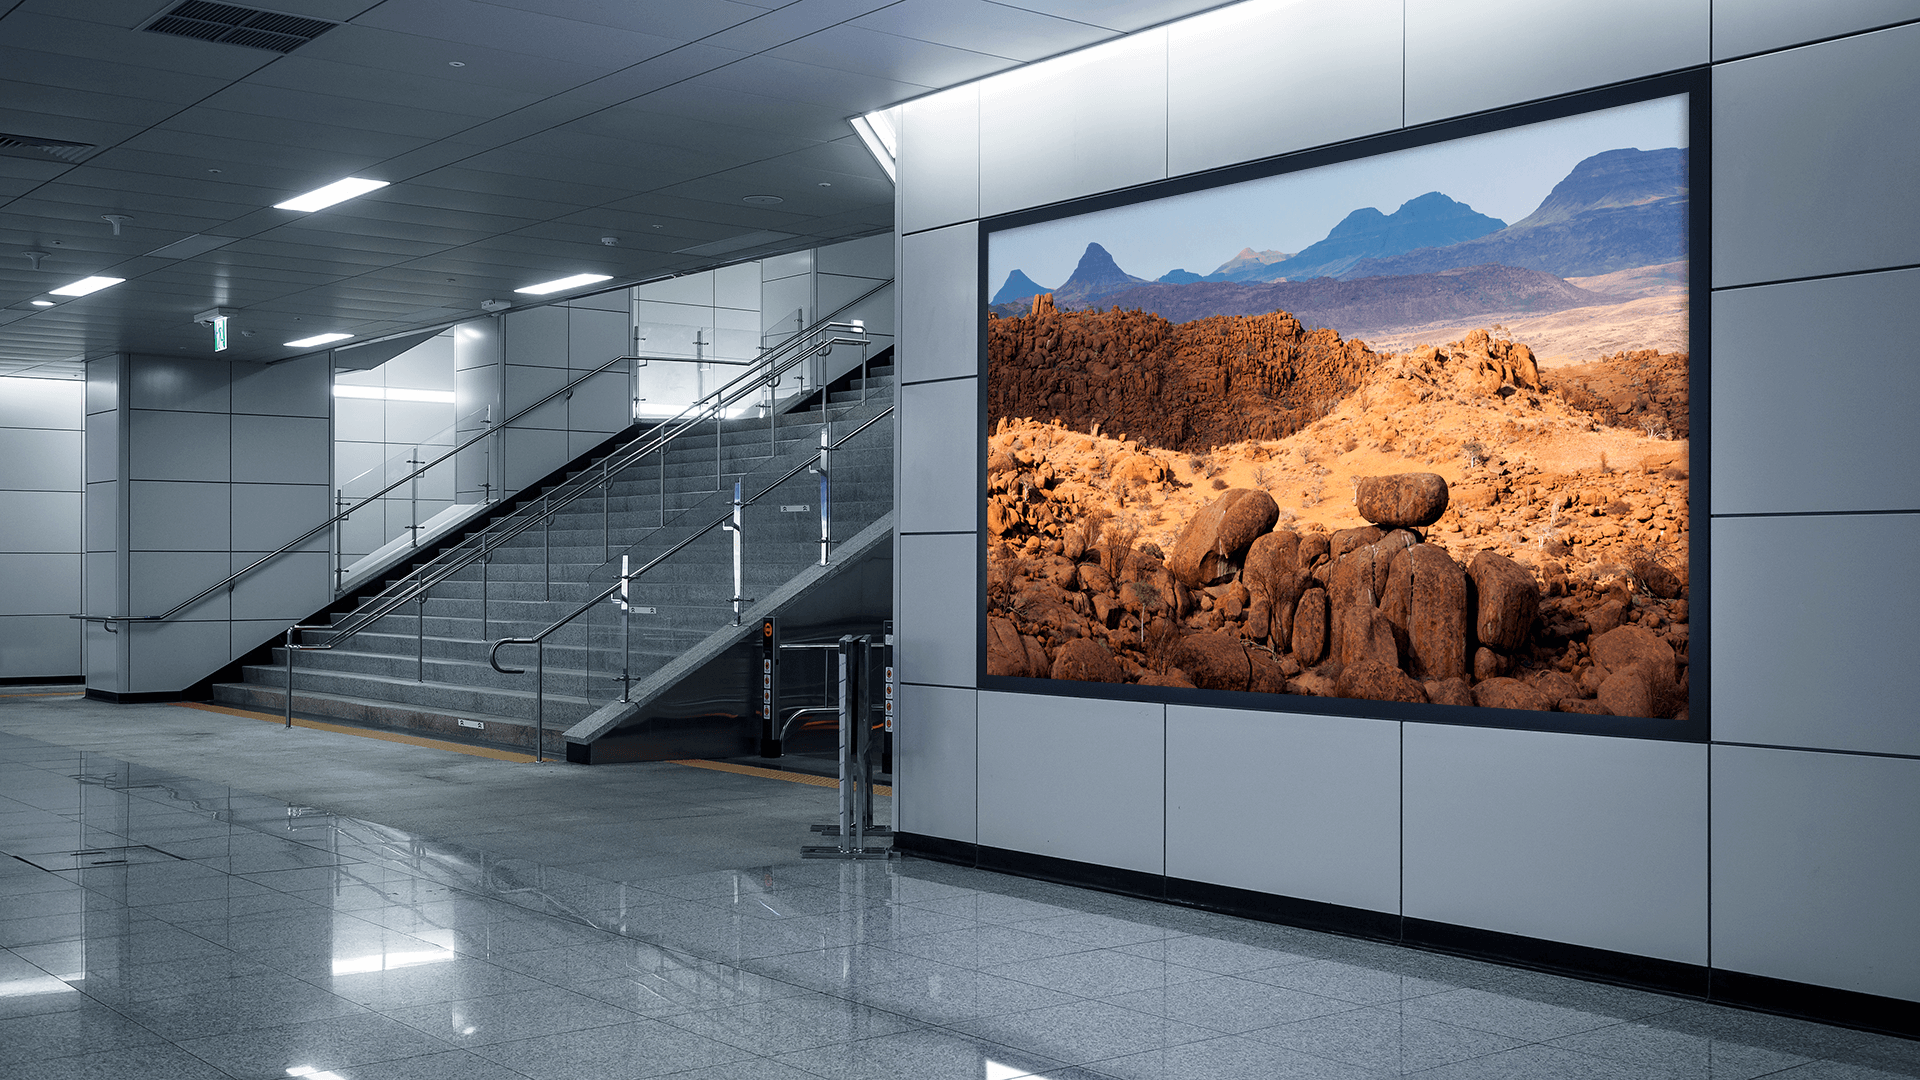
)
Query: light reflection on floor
[{"x": 252, "y": 939}]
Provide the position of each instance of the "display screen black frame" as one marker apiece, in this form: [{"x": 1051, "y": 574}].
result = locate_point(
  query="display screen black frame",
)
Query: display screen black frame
[{"x": 1695, "y": 727}]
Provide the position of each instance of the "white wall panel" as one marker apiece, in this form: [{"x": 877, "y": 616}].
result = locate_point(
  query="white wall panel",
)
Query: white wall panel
[
  {"x": 939, "y": 180},
  {"x": 1573, "y": 838},
  {"x": 157, "y": 580},
  {"x": 164, "y": 516},
  {"x": 531, "y": 454},
  {"x": 600, "y": 405},
  {"x": 294, "y": 388},
  {"x": 177, "y": 446},
  {"x": 524, "y": 385},
  {"x": 102, "y": 584},
  {"x": 102, "y": 525},
  {"x": 1813, "y": 625},
  {"x": 1074, "y": 778},
  {"x": 1742, "y": 27},
  {"x": 103, "y": 447},
  {"x": 869, "y": 257},
  {"x": 937, "y": 629},
  {"x": 1091, "y": 121},
  {"x": 33, "y": 646},
  {"x": 939, "y": 304},
  {"x": 41, "y": 459},
  {"x": 1774, "y": 388},
  {"x": 42, "y": 403},
  {"x": 169, "y": 657},
  {"x": 42, "y": 521},
  {"x": 692, "y": 289},
  {"x": 536, "y": 336},
  {"x": 1466, "y": 56},
  {"x": 1285, "y": 803},
  {"x": 269, "y": 516},
  {"x": 166, "y": 382},
  {"x": 595, "y": 337},
  {"x": 737, "y": 286},
  {"x": 103, "y": 658},
  {"x": 1815, "y": 869},
  {"x": 40, "y": 584},
  {"x": 1341, "y": 79},
  {"x": 939, "y": 456},
  {"x": 933, "y": 761},
  {"x": 1814, "y": 151},
  {"x": 103, "y": 384},
  {"x": 280, "y": 449},
  {"x": 289, "y": 588}
]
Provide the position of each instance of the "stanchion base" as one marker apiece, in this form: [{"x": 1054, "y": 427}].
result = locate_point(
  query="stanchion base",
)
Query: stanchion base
[
  {"x": 834, "y": 830},
  {"x": 846, "y": 853}
]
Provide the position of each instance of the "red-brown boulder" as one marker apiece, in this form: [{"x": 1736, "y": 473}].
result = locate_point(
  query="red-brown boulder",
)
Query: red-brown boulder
[
  {"x": 1219, "y": 535},
  {"x": 1086, "y": 660},
  {"x": 1625, "y": 646},
  {"x": 1271, "y": 561},
  {"x": 1310, "y": 627},
  {"x": 1508, "y": 600},
  {"x": 1347, "y": 539},
  {"x": 1006, "y": 652},
  {"x": 1407, "y": 500},
  {"x": 1510, "y": 694},
  {"x": 1214, "y": 661},
  {"x": 1371, "y": 680},
  {"x": 1427, "y": 598},
  {"x": 1449, "y": 692},
  {"x": 1627, "y": 692}
]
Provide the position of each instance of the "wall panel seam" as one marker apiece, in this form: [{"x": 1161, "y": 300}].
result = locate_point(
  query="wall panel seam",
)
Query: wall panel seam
[
  {"x": 1809, "y": 42},
  {"x": 1819, "y": 750},
  {"x": 1815, "y": 277},
  {"x": 1809, "y": 513},
  {"x": 941, "y": 379}
]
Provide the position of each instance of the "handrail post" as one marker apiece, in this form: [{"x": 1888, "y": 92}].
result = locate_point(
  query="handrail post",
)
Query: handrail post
[
  {"x": 546, "y": 551},
  {"x": 290, "y": 631},
  {"x": 413, "y": 495},
  {"x": 605, "y": 539},
  {"x": 540, "y": 702},
  {"x": 420, "y": 638},
  {"x": 826, "y": 492},
  {"x": 339, "y": 543},
  {"x": 739, "y": 560},
  {"x": 626, "y": 635},
  {"x": 483, "y": 585}
]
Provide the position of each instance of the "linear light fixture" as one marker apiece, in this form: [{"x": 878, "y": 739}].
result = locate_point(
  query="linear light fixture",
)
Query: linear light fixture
[
  {"x": 876, "y": 130},
  {"x": 392, "y": 393},
  {"x": 87, "y": 285},
  {"x": 338, "y": 191},
  {"x": 557, "y": 284},
  {"x": 42, "y": 303},
  {"x": 317, "y": 339}
]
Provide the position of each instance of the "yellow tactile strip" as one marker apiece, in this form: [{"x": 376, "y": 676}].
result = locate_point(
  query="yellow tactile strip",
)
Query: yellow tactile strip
[
  {"x": 366, "y": 733},
  {"x": 776, "y": 774}
]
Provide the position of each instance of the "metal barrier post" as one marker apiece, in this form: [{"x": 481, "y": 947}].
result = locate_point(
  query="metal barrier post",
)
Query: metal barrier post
[
  {"x": 826, "y": 518},
  {"x": 855, "y": 774},
  {"x": 540, "y": 702},
  {"x": 290, "y": 677},
  {"x": 420, "y": 639}
]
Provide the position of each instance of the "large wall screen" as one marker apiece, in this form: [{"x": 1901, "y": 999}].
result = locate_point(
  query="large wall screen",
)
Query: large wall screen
[{"x": 1403, "y": 429}]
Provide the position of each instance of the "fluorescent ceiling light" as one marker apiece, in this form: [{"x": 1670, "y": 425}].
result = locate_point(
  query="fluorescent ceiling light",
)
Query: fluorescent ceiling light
[
  {"x": 393, "y": 393},
  {"x": 558, "y": 284},
  {"x": 317, "y": 339},
  {"x": 876, "y": 130},
  {"x": 42, "y": 303},
  {"x": 87, "y": 285},
  {"x": 338, "y": 191}
]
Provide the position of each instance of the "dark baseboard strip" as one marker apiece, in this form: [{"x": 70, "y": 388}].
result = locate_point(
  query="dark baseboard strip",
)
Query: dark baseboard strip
[
  {"x": 43, "y": 680},
  {"x": 1604, "y": 965},
  {"x": 152, "y": 698},
  {"x": 1845, "y": 1008},
  {"x": 1849, "y": 1008},
  {"x": 1287, "y": 910}
]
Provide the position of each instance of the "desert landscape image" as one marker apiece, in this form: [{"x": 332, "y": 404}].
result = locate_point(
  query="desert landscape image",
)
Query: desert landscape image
[{"x": 1427, "y": 457}]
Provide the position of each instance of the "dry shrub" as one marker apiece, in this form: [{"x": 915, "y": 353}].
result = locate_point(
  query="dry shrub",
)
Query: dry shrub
[
  {"x": 1219, "y": 484},
  {"x": 1116, "y": 545}
]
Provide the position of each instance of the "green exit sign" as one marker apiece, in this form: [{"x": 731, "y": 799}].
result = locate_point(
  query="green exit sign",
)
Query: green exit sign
[{"x": 220, "y": 334}]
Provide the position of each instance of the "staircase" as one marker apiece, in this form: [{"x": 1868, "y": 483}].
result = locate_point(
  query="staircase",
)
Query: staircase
[{"x": 397, "y": 662}]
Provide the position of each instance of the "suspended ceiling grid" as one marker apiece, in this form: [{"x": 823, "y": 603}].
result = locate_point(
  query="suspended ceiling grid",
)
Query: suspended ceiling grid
[{"x": 515, "y": 134}]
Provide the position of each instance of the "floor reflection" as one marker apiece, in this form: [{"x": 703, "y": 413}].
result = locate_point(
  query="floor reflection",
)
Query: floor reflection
[{"x": 157, "y": 925}]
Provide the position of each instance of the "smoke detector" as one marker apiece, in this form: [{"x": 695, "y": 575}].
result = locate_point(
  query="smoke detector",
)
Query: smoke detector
[{"x": 494, "y": 307}]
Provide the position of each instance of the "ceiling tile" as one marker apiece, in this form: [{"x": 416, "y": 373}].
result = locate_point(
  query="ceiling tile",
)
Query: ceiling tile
[
  {"x": 983, "y": 27},
  {"x": 898, "y": 60},
  {"x": 517, "y": 30}
]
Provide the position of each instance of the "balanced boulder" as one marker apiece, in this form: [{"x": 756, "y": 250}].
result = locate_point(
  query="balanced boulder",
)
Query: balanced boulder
[{"x": 1402, "y": 500}]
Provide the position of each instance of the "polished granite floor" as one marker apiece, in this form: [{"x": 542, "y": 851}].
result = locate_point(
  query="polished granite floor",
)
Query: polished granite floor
[{"x": 159, "y": 921}]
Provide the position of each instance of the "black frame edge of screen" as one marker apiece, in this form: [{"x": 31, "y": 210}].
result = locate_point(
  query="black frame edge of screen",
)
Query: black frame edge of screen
[{"x": 1696, "y": 84}]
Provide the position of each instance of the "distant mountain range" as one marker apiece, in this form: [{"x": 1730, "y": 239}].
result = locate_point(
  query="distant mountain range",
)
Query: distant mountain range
[
  {"x": 1368, "y": 304},
  {"x": 1615, "y": 210}
]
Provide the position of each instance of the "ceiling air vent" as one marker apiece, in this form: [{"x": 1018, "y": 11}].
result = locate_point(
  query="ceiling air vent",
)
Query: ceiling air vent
[
  {"x": 29, "y": 146},
  {"x": 233, "y": 25}
]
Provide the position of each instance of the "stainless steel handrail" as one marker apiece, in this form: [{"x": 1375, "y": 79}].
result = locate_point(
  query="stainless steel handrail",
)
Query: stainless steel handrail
[
  {"x": 348, "y": 512},
  {"x": 655, "y": 438},
  {"x": 493, "y": 655},
  {"x": 491, "y": 538}
]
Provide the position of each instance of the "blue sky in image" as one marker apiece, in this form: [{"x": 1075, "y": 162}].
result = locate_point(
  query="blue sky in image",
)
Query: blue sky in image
[{"x": 1504, "y": 174}]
